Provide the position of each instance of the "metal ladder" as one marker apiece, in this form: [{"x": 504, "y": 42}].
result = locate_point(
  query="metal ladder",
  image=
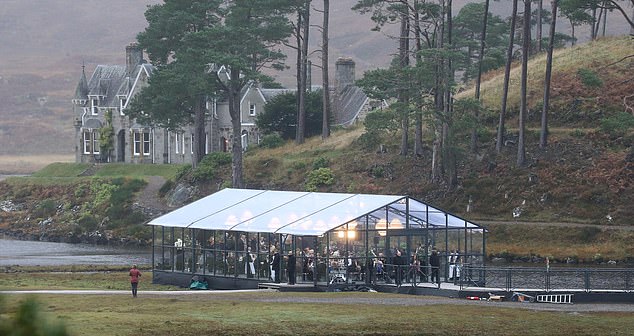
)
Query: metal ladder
[{"x": 555, "y": 298}]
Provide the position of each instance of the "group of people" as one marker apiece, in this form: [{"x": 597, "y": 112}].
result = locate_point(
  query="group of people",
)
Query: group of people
[{"x": 399, "y": 269}]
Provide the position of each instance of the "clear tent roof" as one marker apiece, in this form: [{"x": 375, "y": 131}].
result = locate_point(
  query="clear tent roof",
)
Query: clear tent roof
[{"x": 300, "y": 213}]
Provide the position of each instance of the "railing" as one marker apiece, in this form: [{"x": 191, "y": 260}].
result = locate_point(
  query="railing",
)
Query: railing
[{"x": 552, "y": 279}]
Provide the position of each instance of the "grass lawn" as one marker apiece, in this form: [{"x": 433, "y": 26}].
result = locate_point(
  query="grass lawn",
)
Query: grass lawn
[{"x": 273, "y": 313}]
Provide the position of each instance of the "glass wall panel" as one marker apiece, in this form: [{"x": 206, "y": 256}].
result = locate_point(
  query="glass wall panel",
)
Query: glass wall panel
[
  {"x": 162, "y": 258},
  {"x": 210, "y": 261},
  {"x": 168, "y": 236}
]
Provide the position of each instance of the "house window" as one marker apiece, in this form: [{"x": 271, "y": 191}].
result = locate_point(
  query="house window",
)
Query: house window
[
  {"x": 191, "y": 147},
  {"x": 251, "y": 109},
  {"x": 91, "y": 142},
  {"x": 94, "y": 105},
  {"x": 176, "y": 143},
  {"x": 122, "y": 102},
  {"x": 146, "y": 143},
  {"x": 206, "y": 144},
  {"x": 87, "y": 142},
  {"x": 141, "y": 140}
]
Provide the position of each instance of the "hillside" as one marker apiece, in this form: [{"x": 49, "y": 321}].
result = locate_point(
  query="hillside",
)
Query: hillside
[
  {"x": 580, "y": 189},
  {"x": 45, "y": 44}
]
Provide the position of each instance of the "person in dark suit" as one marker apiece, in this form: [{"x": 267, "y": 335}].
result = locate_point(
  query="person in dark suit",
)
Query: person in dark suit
[
  {"x": 290, "y": 267},
  {"x": 434, "y": 262},
  {"x": 398, "y": 261}
]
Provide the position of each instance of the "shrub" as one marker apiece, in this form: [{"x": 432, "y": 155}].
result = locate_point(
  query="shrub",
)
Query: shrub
[
  {"x": 369, "y": 141},
  {"x": 140, "y": 232},
  {"x": 28, "y": 319},
  {"x": 319, "y": 177},
  {"x": 377, "y": 171},
  {"x": 321, "y": 162},
  {"x": 589, "y": 78},
  {"x": 273, "y": 140},
  {"x": 81, "y": 190},
  {"x": 87, "y": 222},
  {"x": 617, "y": 125},
  {"x": 206, "y": 169},
  {"x": 45, "y": 208}
]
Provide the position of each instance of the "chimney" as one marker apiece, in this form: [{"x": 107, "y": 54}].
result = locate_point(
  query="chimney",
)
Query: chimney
[
  {"x": 344, "y": 73},
  {"x": 133, "y": 57}
]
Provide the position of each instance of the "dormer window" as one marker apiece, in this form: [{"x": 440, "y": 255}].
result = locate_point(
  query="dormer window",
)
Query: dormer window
[
  {"x": 94, "y": 106},
  {"x": 122, "y": 103},
  {"x": 252, "y": 109}
]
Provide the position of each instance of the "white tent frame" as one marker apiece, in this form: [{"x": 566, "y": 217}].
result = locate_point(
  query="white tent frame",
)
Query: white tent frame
[{"x": 302, "y": 213}]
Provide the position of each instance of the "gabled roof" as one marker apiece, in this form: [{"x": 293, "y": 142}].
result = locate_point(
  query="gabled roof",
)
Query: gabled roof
[
  {"x": 349, "y": 103},
  {"x": 301, "y": 213},
  {"x": 105, "y": 82}
]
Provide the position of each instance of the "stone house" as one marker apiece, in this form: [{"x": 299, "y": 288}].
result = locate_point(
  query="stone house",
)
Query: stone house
[{"x": 103, "y": 99}]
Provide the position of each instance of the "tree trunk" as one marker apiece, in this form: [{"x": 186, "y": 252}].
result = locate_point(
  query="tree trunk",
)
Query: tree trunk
[
  {"x": 236, "y": 128},
  {"x": 418, "y": 138},
  {"x": 301, "y": 92},
  {"x": 507, "y": 73},
  {"x": 325, "y": 125},
  {"x": 594, "y": 26},
  {"x": 452, "y": 165},
  {"x": 402, "y": 95},
  {"x": 538, "y": 32},
  {"x": 543, "y": 138},
  {"x": 198, "y": 144},
  {"x": 526, "y": 43},
  {"x": 437, "y": 147},
  {"x": 474, "y": 131}
]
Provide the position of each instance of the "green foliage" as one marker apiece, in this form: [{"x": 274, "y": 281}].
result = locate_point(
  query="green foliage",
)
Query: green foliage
[
  {"x": 206, "y": 169},
  {"x": 280, "y": 115},
  {"x": 589, "y": 78},
  {"x": 376, "y": 123},
  {"x": 272, "y": 140},
  {"x": 319, "y": 177},
  {"x": 467, "y": 27},
  {"x": 106, "y": 136},
  {"x": 102, "y": 192},
  {"x": 87, "y": 222},
  {"x": 617, "y": 125},
  {"x": 28, "y": 321},
  {"x": 45, "y": 208},
  {"x": 140, "y": 232},
  {"x": 382, "y": 121},
  {"x": 321, "y": 162},
  {"x": 377, "y": 171},
  {"x": 81, "y": 190},
  {"x": 369, "y": 140}
]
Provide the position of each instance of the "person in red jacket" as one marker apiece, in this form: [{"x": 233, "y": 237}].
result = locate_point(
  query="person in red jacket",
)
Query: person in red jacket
[{"x": 135, "y": 274}]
